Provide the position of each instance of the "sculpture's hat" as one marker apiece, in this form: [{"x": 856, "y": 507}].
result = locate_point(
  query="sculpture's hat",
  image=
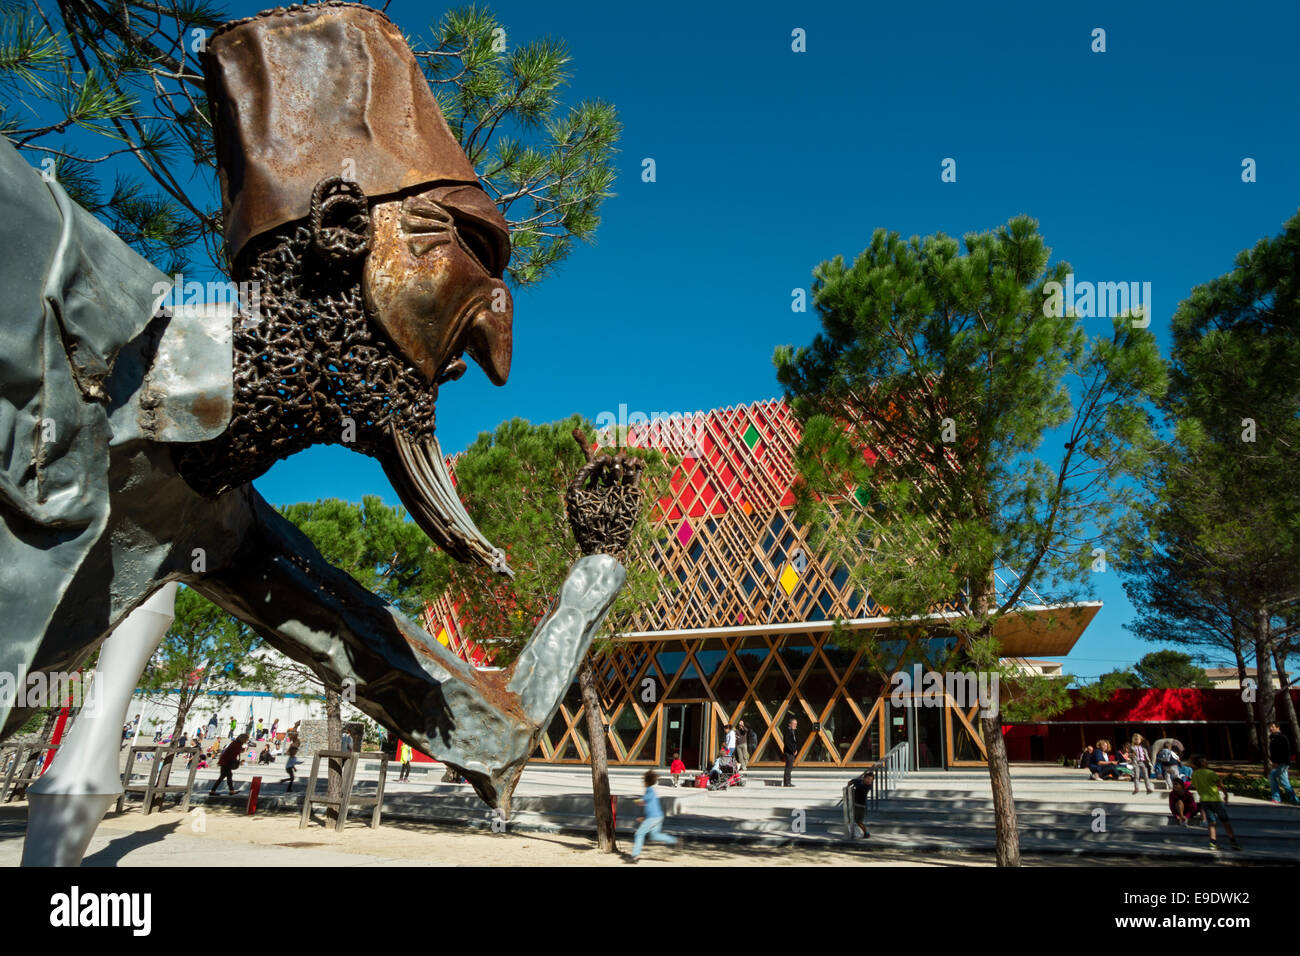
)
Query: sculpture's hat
[{"x": 303, "y": 93}]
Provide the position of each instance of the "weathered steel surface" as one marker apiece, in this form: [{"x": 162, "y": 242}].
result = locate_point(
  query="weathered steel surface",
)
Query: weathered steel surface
[
  {"x": 433, "y": 281},
  {"x": 110, "y": 480},
  {"x": 303, "y": 93},
  {"x": 73, "y": 295},
  {"x": 604, "y": 501},
  {"x": 188, "y": 392}
]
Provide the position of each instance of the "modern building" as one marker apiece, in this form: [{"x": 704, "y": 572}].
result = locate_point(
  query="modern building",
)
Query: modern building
[{"x": 745, "y": 627}]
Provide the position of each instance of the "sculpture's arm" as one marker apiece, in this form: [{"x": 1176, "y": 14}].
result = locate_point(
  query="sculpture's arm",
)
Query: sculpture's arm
[{"x": 483, "y": 723}]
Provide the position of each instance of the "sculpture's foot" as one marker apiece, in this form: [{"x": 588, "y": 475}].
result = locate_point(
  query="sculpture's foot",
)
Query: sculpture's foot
[
  {"x": 60, "y": 825},
  {"x": 497, "y": 788},
  {"x": 498, "y": 727}
]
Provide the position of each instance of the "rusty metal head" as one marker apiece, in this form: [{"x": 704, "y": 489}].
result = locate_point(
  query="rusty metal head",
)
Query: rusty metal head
[
  {"x": 433, "y": 282},
  {"x": 305, "y": 93}
]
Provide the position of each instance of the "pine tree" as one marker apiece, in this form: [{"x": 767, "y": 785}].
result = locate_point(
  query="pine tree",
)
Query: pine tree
[
  {"x": 1228, "y": 485},
  {"x": 936, "y": 379}
]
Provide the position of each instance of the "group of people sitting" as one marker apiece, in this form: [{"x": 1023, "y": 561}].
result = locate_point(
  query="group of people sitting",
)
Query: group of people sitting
[
  {"x": 1192, "y": 792},
  {"x": 1135, "y": 761}
]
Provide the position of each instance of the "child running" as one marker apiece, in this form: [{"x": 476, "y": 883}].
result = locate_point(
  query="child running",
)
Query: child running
[
  {"x": 653, "y": 822},
  {"x": 289, "y": 764},
  {"x": 1208, "y": 788}
]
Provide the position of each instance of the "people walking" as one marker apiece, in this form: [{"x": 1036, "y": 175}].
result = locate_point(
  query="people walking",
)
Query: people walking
[
  {"x": 746, "y": 740},
  {"x": 676, "y": 768},
  {"x": 860, "y": 791},
  {"x": 791, "y": 744},
  {"x": 1213, "y": 805},
  {"x": 289, "y": 764},
  {"x": 229, "y": 761},
  {"x": 652, "y": 821},
  {"x": 1141, "y": 762},
  {"x": 1279, "y": 756},
  {"x": 404, "y": 758}
]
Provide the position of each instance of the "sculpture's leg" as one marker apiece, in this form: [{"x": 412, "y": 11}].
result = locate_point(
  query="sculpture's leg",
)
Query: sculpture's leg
[
  {"x": 66, "y": 804},
  {"x": 486, "y": 725}
]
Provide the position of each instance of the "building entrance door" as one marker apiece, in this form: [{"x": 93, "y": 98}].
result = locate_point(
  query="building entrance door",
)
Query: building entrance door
[
  {"x": 927, "y": 736},
  {"x": 684, "y": 733},
  {"x": 911, "y": 721}
]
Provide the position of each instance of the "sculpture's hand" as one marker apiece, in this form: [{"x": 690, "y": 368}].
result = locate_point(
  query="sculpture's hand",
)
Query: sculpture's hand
[{"x": 604, "y": 501}]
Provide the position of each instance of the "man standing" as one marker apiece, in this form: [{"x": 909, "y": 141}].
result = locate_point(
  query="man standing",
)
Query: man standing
[
  {"x": 742, "y": 745},
  {"x": 1279, "y": 755},
  {"x": 791, "y": 745}
]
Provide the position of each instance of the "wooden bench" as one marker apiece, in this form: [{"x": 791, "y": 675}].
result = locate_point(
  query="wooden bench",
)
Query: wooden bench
[
  {"x": 153, "y": 789},
  {"x": 347, "y": 800},
  {"x": 26, "y": 769}
]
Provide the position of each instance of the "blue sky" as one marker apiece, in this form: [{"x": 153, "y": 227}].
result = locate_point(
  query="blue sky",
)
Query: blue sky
[{"x": 769, "y": 161}]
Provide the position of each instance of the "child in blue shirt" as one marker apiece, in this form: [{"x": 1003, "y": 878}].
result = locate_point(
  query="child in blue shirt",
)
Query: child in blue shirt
[{"x": 653, "y": 820}]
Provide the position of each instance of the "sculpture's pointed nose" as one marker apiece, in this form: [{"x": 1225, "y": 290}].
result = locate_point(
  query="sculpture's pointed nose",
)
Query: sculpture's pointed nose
[{"x": 490, "y": 342}]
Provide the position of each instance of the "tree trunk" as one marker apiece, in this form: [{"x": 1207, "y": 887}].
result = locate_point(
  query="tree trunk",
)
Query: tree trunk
[
  {"x": 1284, "y": 687},
  {"x": 1004, "y": 804},
  {"x": 183, "y": 705},
  {"x": 1252, "y": 735},
  {"x": 605, "y": 838},
  {"x": 334, "y": 730},
  {"x": 1264, "y": 703}
]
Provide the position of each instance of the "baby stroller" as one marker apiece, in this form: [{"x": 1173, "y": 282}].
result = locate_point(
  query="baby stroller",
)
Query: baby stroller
[{"x": 725, "y": 773}]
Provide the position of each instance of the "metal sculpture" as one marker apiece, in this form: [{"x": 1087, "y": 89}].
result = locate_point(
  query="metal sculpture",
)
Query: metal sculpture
[{"x": 129, "y": 435}]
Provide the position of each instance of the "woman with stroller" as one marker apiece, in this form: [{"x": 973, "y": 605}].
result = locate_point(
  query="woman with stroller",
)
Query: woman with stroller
[{"x": 723, "y": 772}]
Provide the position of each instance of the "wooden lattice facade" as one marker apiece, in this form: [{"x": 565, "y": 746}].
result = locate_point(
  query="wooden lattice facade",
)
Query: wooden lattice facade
[{"x": 742, "y": 628}]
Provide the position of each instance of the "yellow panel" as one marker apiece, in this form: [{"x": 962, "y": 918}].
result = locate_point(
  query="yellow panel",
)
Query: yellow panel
[
  {"x": 789, "y": 578},
  {"x": 443, "y": 639}
]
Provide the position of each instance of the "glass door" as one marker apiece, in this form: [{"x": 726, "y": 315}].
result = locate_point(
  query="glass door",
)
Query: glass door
[
  {"x": 909, "y": 720},
  {"x": 685, "y": 732},
  {"x": 927, "y": 732}
]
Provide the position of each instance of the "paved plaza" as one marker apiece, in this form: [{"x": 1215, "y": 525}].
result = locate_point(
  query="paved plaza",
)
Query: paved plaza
[{"x": 933, "y": 818}]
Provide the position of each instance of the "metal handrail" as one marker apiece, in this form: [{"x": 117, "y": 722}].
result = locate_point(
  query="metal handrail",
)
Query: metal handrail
[{"x": 885, "y": 776}]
